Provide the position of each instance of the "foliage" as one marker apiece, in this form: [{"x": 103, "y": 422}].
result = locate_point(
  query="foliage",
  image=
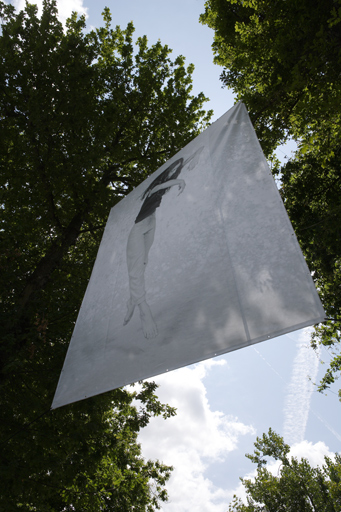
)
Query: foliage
[
  {"x": 283, "y": 59},
  {"x": 297, "y": 487},
  {"x": 84, "y": 117}
]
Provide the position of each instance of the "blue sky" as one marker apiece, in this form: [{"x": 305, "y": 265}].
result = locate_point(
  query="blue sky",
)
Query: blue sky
[{"x": 223, "y": 404}]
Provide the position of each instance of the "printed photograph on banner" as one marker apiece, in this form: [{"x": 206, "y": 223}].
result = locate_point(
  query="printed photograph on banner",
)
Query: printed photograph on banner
[{"x": 141, "y": 238}]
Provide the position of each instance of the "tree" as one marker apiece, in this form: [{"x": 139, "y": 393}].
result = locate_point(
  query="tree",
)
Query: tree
[
  {"x": 283, "y": 60},
  {"x": 84, "y": 118},
  {"x": 296, "y": 487}
]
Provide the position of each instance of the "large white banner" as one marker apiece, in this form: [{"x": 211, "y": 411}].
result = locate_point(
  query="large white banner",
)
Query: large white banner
[{"x": 199, "y": 260}]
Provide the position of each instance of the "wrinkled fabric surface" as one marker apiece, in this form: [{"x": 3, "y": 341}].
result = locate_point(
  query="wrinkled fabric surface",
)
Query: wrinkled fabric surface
[{"x": 224, "y": 270}]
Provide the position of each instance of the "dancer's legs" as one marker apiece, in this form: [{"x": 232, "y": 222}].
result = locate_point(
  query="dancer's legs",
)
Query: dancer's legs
[
  {"x": 136, "y": 255},
  {"x": 140, "y": 240}
]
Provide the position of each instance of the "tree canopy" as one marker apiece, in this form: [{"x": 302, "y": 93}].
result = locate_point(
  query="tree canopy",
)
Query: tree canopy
[
  {"x": 295, "y": 487},
  {"x": 84, "y": 117},
  {"x": 283, "y": 59}
]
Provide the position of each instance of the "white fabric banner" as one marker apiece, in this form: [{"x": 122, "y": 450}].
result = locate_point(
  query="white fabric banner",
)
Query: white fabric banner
[{"x": 198, "y": 260}]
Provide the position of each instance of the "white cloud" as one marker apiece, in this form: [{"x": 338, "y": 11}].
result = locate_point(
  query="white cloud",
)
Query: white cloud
[
  {"x": 300, "y": 389},
  {"x": 314, "y": 453},
  {"x": 65, "y": 7},
  {"x": 192, "y": 440}
]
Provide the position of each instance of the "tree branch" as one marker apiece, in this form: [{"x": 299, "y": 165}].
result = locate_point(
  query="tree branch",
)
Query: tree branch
[{"x": 51, "y": 260}]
